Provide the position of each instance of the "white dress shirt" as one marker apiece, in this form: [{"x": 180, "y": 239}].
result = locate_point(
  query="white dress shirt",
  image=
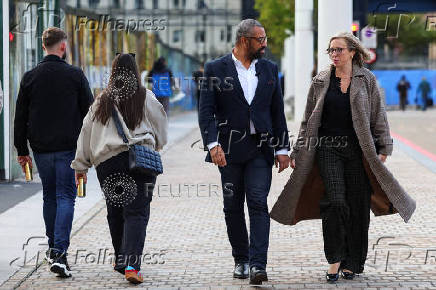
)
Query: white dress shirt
[{"x": 248, "y": 80}]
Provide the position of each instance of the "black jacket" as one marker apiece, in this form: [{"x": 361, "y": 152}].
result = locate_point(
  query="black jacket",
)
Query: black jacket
[
  {"x": 225, "y": 113},
  {"x": 54, "y": 98}
]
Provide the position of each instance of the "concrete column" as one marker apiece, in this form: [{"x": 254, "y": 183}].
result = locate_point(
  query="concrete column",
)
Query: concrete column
[
  {"x": 333, "y": 16},
  {"x": 6, "y": 99},
  {"x": 303, "y": 54},
  {"x": 288, "y": 66}
]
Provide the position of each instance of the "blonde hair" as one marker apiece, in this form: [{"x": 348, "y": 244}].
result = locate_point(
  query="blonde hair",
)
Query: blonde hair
[{"x": 353, "y": 43}]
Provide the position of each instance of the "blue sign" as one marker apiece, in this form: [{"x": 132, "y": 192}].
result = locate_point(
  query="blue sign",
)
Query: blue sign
[{"x": 388, "y": 81}]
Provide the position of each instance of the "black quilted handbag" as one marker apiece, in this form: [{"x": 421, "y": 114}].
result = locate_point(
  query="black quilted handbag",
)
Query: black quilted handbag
[{"x": 141, "y": 158}]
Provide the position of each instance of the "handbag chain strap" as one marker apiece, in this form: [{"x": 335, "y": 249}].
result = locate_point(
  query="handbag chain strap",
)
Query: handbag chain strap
[{"x": 119, "y": 126}]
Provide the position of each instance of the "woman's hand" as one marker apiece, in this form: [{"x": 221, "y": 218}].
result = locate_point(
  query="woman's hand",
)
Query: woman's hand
[
  {"x": 80, "y": 175},
  {"x": 382, "y": 157},
  {"x": 292, "y": 163}
]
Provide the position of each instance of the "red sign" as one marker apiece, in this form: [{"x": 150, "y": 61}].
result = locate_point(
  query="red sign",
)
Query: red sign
[{"x": 372, "y": 56}]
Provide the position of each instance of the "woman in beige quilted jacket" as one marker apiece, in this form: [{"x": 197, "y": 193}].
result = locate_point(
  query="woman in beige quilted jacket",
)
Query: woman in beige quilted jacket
[{"x": 128, "y": 194}]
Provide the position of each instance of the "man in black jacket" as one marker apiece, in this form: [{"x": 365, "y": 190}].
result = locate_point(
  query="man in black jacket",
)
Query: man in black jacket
[
  {"x": 243, "y": 126},
  {"x": 54, "y": 98}
]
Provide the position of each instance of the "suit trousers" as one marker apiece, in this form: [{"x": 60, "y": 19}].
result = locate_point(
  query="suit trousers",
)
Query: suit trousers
[
  {"x": 345, "y": 207},
  {"x": 251, "y": 180}
]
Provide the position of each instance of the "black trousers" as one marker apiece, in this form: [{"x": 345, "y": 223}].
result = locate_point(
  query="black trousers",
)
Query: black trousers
[
  {"x": 251, "y": 180},
  {"x": 128, "y": 223},
  {"x": 345, "y": 207},
  {"x": 403, "y": 102}
]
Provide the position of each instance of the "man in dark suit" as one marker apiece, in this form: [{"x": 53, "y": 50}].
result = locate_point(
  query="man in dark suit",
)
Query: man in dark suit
[{"x": 243, "y": 127}]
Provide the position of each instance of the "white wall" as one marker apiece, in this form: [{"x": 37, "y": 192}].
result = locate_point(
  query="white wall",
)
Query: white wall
[
  {"x": 303, "y": 54},
  {"x": 333, "y": 16}
]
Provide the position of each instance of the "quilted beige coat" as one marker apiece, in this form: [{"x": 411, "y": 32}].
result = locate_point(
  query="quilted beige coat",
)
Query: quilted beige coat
[{"x": 300, "y": 197}]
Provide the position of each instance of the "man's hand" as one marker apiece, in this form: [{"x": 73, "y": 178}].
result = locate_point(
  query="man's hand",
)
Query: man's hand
[
  {"x": 218, "y": 156},
  {"x": 283, "y": 160},
  {"x": 23, "y": 160},
  {"x": 80, "y": 175},
  {"x": 382, "y": 157}
]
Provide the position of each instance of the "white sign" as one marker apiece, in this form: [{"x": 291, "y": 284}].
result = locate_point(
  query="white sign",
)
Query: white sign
[{"x": 369, "y": 37}]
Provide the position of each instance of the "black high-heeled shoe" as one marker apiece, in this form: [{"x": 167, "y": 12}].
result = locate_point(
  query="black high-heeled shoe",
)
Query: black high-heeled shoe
[
  {"x": 331, "y": 278},
  {"x": 347, "y": 275}
]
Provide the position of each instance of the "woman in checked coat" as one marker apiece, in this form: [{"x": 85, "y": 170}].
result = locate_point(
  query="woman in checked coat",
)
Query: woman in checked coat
[{"x": 338, "y": 159}]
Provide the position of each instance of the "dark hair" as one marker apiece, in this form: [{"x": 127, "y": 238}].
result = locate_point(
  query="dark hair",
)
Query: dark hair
[
  {"x": 52, "y": 36},
  {"x": 132, "y": 107},
  {"x": 159, "y": 65}
]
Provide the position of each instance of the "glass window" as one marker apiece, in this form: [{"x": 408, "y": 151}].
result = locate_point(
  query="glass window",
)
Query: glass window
[
  {"x": 155, "y": 4},
  {"x": 199, "y": 36},
  {"x": 201, "y": 4},
  {"x": 93, "y": 3},
  {"x": 177, "y": 35},
  {"x": 229, "y": 33},
  {"x": 139, "y": 4}
]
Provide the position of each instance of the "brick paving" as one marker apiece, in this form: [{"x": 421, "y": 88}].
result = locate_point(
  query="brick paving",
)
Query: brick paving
[
  {"x": 187, "y": 246},
  {"x": 417, "y": 126}
]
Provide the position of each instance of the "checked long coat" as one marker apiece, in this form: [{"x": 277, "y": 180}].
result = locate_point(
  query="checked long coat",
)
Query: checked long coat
[{"x": 301, "y": 195}]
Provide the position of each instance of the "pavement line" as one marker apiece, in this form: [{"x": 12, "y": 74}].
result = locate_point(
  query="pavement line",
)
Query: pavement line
[{"x": 415, "y": 151}]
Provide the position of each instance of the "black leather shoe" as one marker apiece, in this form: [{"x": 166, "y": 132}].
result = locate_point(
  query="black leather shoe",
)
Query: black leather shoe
[
  {"x": 347, "y": 275},
  {"x": 241, "y": 271},
  {"x": 331, "y": 278},
  {"x": 257, "y": 276}
]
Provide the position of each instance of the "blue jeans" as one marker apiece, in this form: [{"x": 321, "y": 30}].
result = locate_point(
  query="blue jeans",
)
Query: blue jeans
[
  {"x": 251, "y": 180},
  {"x": 59, "y": 194}
]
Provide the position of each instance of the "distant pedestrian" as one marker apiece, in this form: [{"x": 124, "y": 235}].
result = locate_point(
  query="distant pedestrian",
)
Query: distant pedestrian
[
  {"x": 402, "y": 87},
  {"x": 54, "y": 98},
  {"x": 198, "y": 78},
  {"x": 423, "y": 94},
  {"x": 128, "y": 194},
  {"x": 162, "y": 82}
]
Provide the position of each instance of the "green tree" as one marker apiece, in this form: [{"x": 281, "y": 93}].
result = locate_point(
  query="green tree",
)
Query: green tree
[
  {"x": 406, "y": 31},
  {"x": 278, "y": 18}
]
